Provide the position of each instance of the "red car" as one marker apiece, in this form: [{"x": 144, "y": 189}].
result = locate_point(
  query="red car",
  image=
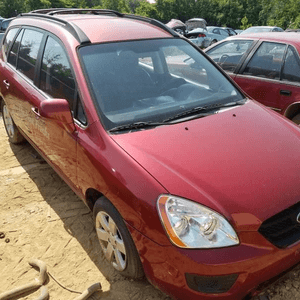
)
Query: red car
[
  {"x": 190, "y": 182},
  {"x": 266, "y": 66}
]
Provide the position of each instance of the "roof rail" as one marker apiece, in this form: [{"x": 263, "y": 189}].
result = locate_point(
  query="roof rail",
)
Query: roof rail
[
  {"x": 56, "y": 11},
  {"x": 152, "y": 22},
  {"x": 80, "y": 36},
  {"x": 77, "y": 32}
]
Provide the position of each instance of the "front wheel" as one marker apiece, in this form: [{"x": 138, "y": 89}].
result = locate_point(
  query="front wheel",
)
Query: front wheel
[
  {"x": 115, "y": 240},
  {"x": 14, "y": 135}
]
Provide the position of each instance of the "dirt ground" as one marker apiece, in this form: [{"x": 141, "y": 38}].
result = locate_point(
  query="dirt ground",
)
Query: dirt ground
[{"x": 42, "y": 218}]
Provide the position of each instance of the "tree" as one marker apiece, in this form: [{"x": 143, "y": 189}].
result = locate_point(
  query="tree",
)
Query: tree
[
  {"x": 118, "y": 5},
  {"x": 147, "y": 9},
  {"x": 245, "y": 23},
  {"x": 10, "y": 8},
  {"x": 36, "y": 4}
]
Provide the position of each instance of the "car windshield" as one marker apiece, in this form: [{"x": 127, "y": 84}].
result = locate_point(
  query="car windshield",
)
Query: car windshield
[{"x": 152, "y": 80}]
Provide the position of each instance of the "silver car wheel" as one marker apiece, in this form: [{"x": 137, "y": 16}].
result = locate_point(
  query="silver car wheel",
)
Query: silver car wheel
[
  {"x": 8, "y": 122},
  {"x": 111, "y": 241}
]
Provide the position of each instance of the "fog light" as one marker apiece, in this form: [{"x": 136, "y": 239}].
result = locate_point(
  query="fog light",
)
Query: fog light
[{"x": 211, "y": 284}]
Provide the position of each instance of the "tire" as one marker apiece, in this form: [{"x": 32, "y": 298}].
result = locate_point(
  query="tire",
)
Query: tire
[
  {"x": 115, "y": 240},
  {"x": 14, "y": 135},
  {"x": 296, "y": 119}
]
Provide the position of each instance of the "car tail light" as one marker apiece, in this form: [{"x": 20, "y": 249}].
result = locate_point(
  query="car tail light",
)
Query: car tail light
[{"x": 201, "y": 35}]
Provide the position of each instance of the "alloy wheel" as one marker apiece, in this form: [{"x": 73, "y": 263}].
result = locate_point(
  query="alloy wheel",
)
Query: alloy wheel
[{"x": 111, "y": 241}]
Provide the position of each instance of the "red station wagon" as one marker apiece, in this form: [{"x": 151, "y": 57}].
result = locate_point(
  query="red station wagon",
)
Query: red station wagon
[
  {"x": 190, "y": 182},
  {"x": 266, "y": 66}
]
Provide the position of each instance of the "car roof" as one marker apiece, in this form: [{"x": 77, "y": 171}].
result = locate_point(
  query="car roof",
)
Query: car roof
[
  {"x": 98, "y": 28},
  {"x": 280, "y": 37},
  {"x": 262, "y": 27}
]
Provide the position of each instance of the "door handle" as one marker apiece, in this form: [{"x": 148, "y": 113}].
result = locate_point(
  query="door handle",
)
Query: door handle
[
  {"x": 7, "y": 85},
  {"x": 285, "y": 92},
  {"x": 35, "y": 110}
]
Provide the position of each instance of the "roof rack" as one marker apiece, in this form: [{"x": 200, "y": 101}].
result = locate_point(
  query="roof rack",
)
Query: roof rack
[{"x": 77, "y": 32}]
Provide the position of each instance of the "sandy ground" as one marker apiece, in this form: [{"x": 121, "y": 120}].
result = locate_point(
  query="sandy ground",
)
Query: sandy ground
[{"x": 42, "y": 218}]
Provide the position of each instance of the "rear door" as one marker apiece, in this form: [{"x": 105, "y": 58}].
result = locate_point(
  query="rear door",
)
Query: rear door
[
  {"x": 18, "y": 77},
  {"x": 290, "y": 79},
  {"x": 260, "y": 75}
]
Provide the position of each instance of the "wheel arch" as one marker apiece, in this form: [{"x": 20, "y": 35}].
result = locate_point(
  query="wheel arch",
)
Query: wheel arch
[
  {"x": 91, "y": 196},
  {"x": 292, "y": 110}
]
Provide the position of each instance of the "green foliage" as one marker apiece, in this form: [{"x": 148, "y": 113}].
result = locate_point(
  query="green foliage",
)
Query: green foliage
[
  {"x": 231, "y": 13},
  {"x": 245, "y": 23},
  {"x": 9, "y": 8},
  {"x": 147, "y": 9}
]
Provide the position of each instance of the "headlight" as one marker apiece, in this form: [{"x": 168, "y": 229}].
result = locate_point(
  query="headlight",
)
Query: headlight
[{"x": 191, "y": 225}]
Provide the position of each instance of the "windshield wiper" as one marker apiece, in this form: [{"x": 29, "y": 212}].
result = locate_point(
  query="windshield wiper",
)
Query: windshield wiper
[
  {"x": 200, "y": 111},
  {"x": 204, "y": 110},
  {"x": 136, "y": 125}
]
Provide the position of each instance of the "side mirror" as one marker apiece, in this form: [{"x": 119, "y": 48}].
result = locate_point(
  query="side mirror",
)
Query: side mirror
[{"x": 58, "y": 110}]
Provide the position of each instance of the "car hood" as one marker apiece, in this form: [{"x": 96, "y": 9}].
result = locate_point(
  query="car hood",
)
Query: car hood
[{"x": 242, "y": 160}]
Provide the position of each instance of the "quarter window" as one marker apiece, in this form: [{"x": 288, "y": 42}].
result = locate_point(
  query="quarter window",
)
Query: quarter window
[
  {"x": 8, "y": 40},
  {"x": 291, "y": 69},
  {"x": 56, "y": 75},
  {"x": 12, "y": 58},
  {"x": 267, "y": 61},
  {"x": 29, "y": 48}
]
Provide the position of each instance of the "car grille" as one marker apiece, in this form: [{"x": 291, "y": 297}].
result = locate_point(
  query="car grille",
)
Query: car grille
[{"x": 283, "y": 229}]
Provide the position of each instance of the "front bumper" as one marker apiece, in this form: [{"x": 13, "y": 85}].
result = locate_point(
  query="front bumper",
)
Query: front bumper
[{"x": 226, "y": 273}]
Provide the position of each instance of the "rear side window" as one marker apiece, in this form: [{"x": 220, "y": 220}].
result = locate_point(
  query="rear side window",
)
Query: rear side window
[
  {"x": 266, "y": 61},
  {"x": 8, "y": 40},
  {"x": 12, "y": 57},
  {"x": 28, "y": 52},
  {"x": 56, "y": 75},
  {"x": 291, "y": 69}
]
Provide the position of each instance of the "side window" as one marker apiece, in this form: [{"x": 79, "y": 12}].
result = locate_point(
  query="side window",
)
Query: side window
[
  {"x": 266, "y": 61},
  {"x": 28, "y": 52},
  {"x": 12, "y": 57},
  {"x": 56, "y": 75},
  {"x": 8, "y": 40},
  {"x": 228, "y": 54},
  {"x": 224, "y": 33},
  {"x": 291, "y": 69}
]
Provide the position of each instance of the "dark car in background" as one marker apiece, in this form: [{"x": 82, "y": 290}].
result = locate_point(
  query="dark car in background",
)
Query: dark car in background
[
  {"x": 266, "y": 66},
  {"x": 4, "y": 24}
]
